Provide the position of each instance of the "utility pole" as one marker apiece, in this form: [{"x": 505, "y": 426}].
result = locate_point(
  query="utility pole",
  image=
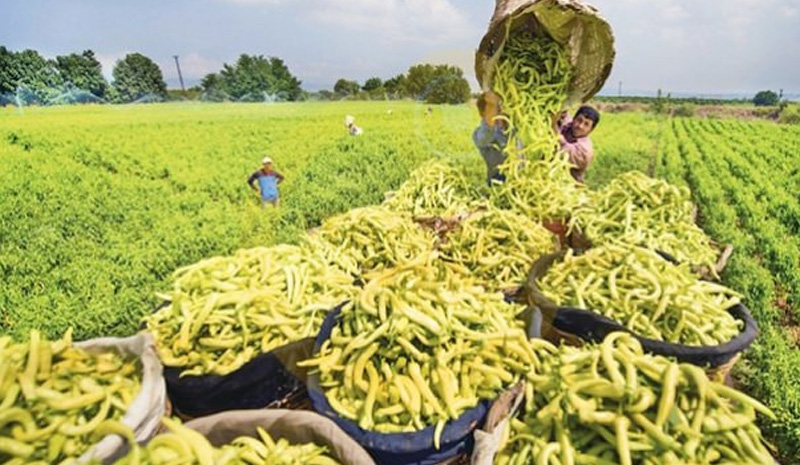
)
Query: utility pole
[{"x": 180, "y": 76}]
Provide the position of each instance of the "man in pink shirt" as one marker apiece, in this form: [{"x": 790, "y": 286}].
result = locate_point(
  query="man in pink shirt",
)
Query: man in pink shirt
[{"x": 573, "y": 136}]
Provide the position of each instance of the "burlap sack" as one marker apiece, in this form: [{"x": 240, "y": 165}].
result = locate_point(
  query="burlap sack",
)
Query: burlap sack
[
  {"x": 296, "y": 426},
  {"x": 145, "y": 412},
  {"x": 571, "y": 23},
  {"x": 488, "y": 438}
]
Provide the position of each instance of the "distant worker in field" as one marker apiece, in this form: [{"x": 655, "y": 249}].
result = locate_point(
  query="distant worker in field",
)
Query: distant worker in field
[
  {"x": 491, "y": 136},
  {"x": 350, "y": 124},
  {"x": 268, "y": 180},
  {"x": 355, "y": 130}
]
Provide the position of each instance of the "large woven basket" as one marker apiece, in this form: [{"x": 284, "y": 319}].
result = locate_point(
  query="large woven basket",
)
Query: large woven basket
[{"x": 572, "y": 23}]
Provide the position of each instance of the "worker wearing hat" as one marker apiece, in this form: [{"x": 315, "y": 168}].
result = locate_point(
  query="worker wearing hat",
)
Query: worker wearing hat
[{"x": 268, "y": 180}]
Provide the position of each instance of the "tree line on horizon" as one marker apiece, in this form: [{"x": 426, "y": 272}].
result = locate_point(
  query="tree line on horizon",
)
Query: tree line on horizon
[
  {"x": 426, "y": 82},
  {"x": 28, "y": 78}
]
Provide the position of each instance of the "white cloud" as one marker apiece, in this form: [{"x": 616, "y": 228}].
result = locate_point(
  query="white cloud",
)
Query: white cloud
[
  {"x": 740, "y": 26},
  {"x": 738, "y": 4},
  {"x": 396, "y": 20},
  {"x": 670, "y": 10},
  {"x": 788, "y": 11},
  {"x": 673, "y": 12},
  {"x": 675, "y": 35}
]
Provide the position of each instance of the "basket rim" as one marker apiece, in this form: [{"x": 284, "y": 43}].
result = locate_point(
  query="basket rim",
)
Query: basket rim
[
  {"x": 491, "y": 45},
  {"x": 454, "y": 432},
  {"x": 721, "y": 353}
]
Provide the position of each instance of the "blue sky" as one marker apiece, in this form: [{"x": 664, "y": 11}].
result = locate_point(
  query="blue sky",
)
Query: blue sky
[{"x": 700, "y": 46}]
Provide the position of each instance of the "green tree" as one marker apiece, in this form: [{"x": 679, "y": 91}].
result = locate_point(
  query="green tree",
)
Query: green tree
[
  {"x": 766, "y": 98},
  {"x": 83, "y": 72},
  {"x": 374, "y": 88},
  {"x": 396, "y": 86},
  {"x": 255, "y": 78},
  {"x": 418, "y": 79},
  {"x": 324, "y": 95},
  {"x": 30, "y": 76},
  {"x": 345, "y": 88},
  {"x": 137, "y": 77},
  {"x": 447, "y": 86},
  {"x": 661, "y": 104},
  {"x": 287, "y": 87},
  {"x": 373, "y": 84},
  {"x": 658, "y": 104},
  {"x": 212, "y": 86},
  {"x": 435, "y": 84},
  {"x": 9, "y": 74}
]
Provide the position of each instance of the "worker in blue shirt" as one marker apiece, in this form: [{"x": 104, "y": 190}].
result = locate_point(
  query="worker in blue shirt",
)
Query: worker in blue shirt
[{"x": 268, "y": 180}]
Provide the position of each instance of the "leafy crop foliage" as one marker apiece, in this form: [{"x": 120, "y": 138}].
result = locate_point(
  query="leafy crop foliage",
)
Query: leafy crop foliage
[
  {"x": 744, "y": 179},
  {"x": 790, "y": 115},
  {"x": 101, "y": 204}
]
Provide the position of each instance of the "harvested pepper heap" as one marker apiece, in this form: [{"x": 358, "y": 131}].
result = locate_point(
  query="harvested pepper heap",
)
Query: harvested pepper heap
[
  {"x": 433, "y": 189},
  {"x": 531, "y": 78},
  {"x": 639, "y": 289},
  {"x": 188, "y": 447},
  {"x": 224, "y": 311},
  {"x": 420, "y": 345},
  {"x": 369, "y": 239},
  {"x": 497, "y": 246},
  {"x": 637, "y": 209},
  {"x": 612, "y": 404},
  {"x": 54, "y": 397}
]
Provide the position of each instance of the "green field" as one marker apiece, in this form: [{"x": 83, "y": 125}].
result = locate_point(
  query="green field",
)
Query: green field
[{"x": 101, "y": 204}]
